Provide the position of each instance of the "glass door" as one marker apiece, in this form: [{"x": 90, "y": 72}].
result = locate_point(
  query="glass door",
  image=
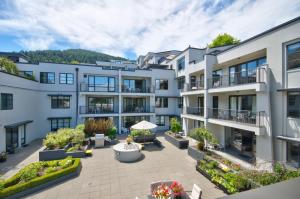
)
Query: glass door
[{"x": 12, "y": 139}]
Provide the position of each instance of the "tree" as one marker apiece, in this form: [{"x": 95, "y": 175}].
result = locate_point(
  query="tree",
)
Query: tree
[
  {"x": 8, "y": 66},
  {"x": 175, "y": 126},
  {"x": 74, "y": 62},
  {"x": 222, "y": 40}
]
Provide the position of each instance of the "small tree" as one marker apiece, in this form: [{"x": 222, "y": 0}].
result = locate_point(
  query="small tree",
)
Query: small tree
[
  {"x": 175, "y": 126},
  {"x": 222, "y": 40},
  {"x": 8, "y": 66},
  {"x": 97, "y": 126},
  {"x": 201, "y": 134}
]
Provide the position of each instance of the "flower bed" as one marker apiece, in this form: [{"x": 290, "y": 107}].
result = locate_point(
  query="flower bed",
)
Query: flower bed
[
  {"x": 177, "y": 140},
  {"x": 141, "y": 136},
  {"x": 232, "y": 179},
  {"x": 37, "y": 174}
]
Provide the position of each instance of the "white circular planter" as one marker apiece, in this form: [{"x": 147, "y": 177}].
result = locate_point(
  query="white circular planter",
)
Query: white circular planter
[{"x": 127, "y": 152}]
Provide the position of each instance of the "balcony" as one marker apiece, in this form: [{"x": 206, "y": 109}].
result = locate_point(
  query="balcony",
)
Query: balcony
[
  {"x": 238, "y": 116},
  {"x": 96, "y": 110},
  {"x": 198, "y": 111},
  {"x": 236, "y": 79},
  {"x": 199, "y": 85},
  {"x": 84, "y": 87},
  {"x": 126, "y": 89},
  {"x": 137, "y": 109}
]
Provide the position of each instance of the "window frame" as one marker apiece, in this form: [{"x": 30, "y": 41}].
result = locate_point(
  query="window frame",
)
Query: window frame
[
  {"x": 9, "y": 103},
  {"x": 286, "y": 55},
  {"x": 180, "y": 62},
  {"x": 58, "y": 104},
  {"x": 160, "y": 120},
  {"x": 287, "y": 105},
  {"x": 159, "y": 84},
  {"x": 66, "y": 78},
  {"x": 163, "y": 102},
  {"x": 57, "y": 121},
  {"x": 47, "y": 82}
]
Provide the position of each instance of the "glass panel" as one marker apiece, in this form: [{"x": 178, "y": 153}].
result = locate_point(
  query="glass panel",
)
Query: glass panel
[
  {"x": 293, "y": 154},
  {"x": 293, "y": 55},
  {"x": 252, "y": 68},
  {"x": 293, "y": 104}
]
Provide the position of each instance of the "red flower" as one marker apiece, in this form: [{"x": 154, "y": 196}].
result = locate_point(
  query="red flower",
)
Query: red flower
[{"x": 176, "y": 188}]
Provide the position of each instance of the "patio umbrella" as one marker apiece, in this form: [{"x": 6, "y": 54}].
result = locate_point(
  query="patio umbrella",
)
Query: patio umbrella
[{"x": 144, "y": 125}]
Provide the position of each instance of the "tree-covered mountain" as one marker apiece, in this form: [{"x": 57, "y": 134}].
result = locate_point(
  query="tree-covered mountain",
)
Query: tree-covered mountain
[{"x": 68, "y": 56}]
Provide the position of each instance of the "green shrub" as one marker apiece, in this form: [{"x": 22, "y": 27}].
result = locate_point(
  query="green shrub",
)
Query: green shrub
[
  {"x": 1, "y": 184},
  {"x": 97, "y": 126},
  {"x": 136, "y": 133},
  {"x": 13, "y": 185},
  {"x": 175, "y": 125},
  {"x": 112, "y": 133},
  {"x": 80, "y": 127},
  {"x": 201, "y": 134}
]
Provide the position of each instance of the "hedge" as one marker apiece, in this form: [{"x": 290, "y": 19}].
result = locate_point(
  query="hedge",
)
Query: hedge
[{"x": 11, "y": 190}]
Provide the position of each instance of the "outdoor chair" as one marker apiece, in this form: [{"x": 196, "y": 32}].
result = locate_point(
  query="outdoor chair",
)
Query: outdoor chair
[{"x": 196, "y": 192}]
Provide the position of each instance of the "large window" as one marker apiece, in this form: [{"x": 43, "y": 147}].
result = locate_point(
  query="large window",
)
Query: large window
[
  {"x": 180, "y": 102},
  {"x": 293, "y": 154},
  {"x": 161, "y": 84},
  {"x": 181, "y": 63},
  {"x": 47, "y": 77},
  {"x": 293, "y": 108},
  {"x": 6, "y": 101},
  {"x": 134, "y": 105},
  {"x": 27, "y": 74},
  {"x": 161, "y": 102},
  {"x": 60, "y": 102},
  {"x": 66, "y": 78},
  {"x": 134, "y": 85},
  {"x": 293, "y": 56},
  {"x": 180, "y": 82},
  {"x": 160, "y": 120},
  {"x": 57, "y": 123},
  {"x": 101, "y": 84}
]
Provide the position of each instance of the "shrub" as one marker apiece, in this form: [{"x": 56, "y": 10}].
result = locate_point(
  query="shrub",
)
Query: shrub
[
  {"x": 1, "y": 184},
  {"x": 135, "y": 133},
  {"x": 97, "y": 126},
  {"x": 112, "y": 133},
  {"x": 175, "y": 126},
  {"x": 201, "y": 134},
  {"x": 80, "y": 127}
]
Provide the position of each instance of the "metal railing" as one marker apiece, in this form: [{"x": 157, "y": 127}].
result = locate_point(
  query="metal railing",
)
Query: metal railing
[
  {"x": 241, "y": 116},
  {"x": 97, "y": 110},
  {"x": 245, "y": 77},
  {"x": 126, "y": 89},
  {"x": 199, "y": 85},
  {"x": 138, "y": 109},
  {"x": 84, "y": 87},
  {"x": 199, "y": 111}
]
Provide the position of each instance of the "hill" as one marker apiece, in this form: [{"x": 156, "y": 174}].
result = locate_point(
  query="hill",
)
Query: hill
[{"x": 68, "y": 56}]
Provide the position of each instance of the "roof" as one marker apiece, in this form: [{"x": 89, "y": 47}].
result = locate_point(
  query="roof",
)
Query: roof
[
  {"x": 18, "y": 124},
  {"x": 15, "y": 54},
  {"x": 264, "y": 33},
  {"x": 1, "y": 71},
  {"x": 186, "y": 50}
]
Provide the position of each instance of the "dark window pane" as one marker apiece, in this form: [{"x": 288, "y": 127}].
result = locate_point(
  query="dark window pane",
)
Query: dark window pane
[
  {"x": 293, "y": 109},
  {"x": 6, "y": 101},
  {"x": 293, "y": 55}
]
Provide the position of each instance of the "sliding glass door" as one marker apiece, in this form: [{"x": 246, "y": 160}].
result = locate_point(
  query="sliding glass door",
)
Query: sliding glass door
[
  {"x": 12, "y": 139},
  {"x": 101, "y": 84}
]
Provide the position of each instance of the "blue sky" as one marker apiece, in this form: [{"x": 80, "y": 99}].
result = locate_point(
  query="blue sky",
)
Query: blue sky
[{"x": 130, "y": 28}]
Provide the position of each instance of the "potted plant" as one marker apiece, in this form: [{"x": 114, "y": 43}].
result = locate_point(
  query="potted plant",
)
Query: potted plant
[
  {"x": 177, "y": 190},
  {"x": 3, "y": 156},
  {"x": 162, "y": 192},
  {"x": 129, "y": 140},
  {"x": 175, "y": 127}
]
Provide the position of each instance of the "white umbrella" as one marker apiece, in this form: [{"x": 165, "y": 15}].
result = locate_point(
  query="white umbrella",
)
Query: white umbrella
[{"x": 144, "y": 125}]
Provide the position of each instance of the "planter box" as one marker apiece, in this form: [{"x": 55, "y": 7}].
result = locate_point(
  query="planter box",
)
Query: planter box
[
  {"x": 59, "y": 154},
  {"x": 180, "y": 143},
  {"x": 147, "y": 138},
  {"x": 195, "y": 153}
]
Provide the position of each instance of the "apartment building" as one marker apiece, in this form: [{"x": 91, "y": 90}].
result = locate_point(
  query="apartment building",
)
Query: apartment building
[
  {"x": 64, "y": 95},
  {"x": 248, "y": 95}
]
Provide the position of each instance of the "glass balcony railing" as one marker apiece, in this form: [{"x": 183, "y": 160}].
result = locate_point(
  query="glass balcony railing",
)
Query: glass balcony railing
[
  {"x": 138, "y": 109},
  {"x": 84, "y": 87},
  {"x": 198, "y": 111},
  {"x": 199, "y": 85},
  {"x": 97, "y": 110},
  {"x": 126, "y": 89}
]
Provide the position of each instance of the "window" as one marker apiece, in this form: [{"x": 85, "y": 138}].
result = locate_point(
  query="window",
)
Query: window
[
  {"x": 161, "y": 102},
  {"x": 293, "y": 56},
  {"x": 180, "y": 82},
  {"x": 101, "y": 84},
  {"x": 181, "y": 63},
  {"x": 47, "y": 77},
  {"x": 180, "y": 102},
  {"x": 6, "y": 101},
  {"x": 293, "y": 105},
  {"x": 60, "y": 102},
  {"x": 160, "y": 120},
  {"x": 161, "y": 84},
  {"x": 66, "y": 78},
  {"x": 57, "y": 123},
  {"x": 134, "y": 85},
  {"x": 27, "y": 74},
  {"x": 293, "y": 154}
]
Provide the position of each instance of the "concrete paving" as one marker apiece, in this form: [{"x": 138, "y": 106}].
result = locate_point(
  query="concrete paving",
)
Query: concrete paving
[{"x": 104, "y": 177}]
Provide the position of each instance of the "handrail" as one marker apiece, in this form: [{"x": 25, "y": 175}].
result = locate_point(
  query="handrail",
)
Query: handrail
[
  {"x": 193, "y": 111},
  {"x": 97, "y": 110},
  {"x": 85, "y": 87}
]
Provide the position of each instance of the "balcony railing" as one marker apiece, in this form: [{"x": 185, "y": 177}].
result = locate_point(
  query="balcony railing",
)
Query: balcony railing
[
  {"x": 199, "y": 85},
  {"x": 97, "y": 110},
  {"x": 138, "y": 109},
  {"x": 84, "y": 87},
  {"x": 241, "y": 116},
  {"x": 245, "y": 77},
  {"x": 125, "y": 89},
  {"x": 199, "y": 111}
]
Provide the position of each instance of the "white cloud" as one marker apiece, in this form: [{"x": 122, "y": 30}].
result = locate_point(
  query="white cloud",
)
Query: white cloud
[{"x": 113, "y": 26}]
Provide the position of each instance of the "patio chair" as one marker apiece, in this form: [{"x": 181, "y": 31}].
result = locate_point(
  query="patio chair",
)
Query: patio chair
[{"x": 196, "y": 192}]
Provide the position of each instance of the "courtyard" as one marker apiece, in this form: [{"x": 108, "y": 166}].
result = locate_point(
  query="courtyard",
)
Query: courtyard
[{"x": 104, "y": 177}]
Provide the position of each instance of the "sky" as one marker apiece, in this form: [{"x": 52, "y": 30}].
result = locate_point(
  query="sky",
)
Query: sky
[{"x": 130, "y": 28}]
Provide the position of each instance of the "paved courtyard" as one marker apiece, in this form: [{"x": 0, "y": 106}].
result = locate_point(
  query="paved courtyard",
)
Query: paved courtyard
[{"x": 106, "y": 178}]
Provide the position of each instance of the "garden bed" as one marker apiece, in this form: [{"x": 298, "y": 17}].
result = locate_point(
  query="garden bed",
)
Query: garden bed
[
  {"x": 144, "y": 138},
  {"x": 39, "y": 175},
  {"x": 179, "y": 142},
  {"x": 195, "y": 153}
]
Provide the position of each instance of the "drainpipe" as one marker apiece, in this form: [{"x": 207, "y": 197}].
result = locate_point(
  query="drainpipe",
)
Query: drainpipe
[{"x": 77, "y": 96}]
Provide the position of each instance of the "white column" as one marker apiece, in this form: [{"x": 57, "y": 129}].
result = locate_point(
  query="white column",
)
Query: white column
[{"x": 120, "y": 100}]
